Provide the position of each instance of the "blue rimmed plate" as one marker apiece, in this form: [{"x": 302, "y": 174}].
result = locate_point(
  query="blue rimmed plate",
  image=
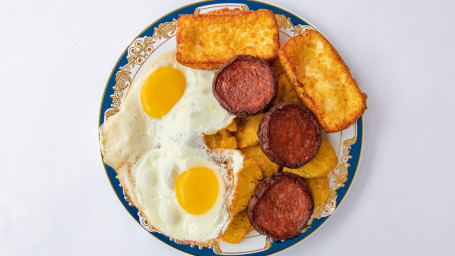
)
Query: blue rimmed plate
[{"x": 159, "y": 38}]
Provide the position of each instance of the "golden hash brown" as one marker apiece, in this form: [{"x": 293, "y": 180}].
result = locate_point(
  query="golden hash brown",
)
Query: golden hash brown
[
  {"x": 247, "y": 128},
  {"x": 238, "y": 228},
  {"x": 221, "y": 139},
  {"x": 286, "y": 92},
  {"x": 247, "y": 180},
  {"x": 207, "y": 41},
  {"x": 323, "y": 162},
  {"x": 322, "y": 80},
  {"x": 319, "y": 188},
  {"x": 255, "y": 152}
]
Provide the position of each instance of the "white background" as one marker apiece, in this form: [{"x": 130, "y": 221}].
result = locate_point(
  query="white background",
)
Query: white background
[{"x": 55, "y": 59}]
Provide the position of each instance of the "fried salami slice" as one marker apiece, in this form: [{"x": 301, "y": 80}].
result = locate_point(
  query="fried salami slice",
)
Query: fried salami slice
[
  {"x": 245, "y": 86},
  {"x": 289, "y": 134},
  {"x": 281, "y": 206}
]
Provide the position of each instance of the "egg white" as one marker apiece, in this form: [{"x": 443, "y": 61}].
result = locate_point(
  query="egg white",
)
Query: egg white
[{"x": 149, "y": 154}]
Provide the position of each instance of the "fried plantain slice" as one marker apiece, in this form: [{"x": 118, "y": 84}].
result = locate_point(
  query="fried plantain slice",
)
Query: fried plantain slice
[
  {"x": 319, "y": 188},
  {"x": 255, "y": 152},
  {"x": 239, "y": 227},
  {"x": 223, "y": 139},
  {"x": 232, "y": 127},
  {"x": 323, "y": 162},
  {"x": 277, "y": 68},
  {"x": 286, "y": 92},
  {"x": 248, "y": 179},
  {"x": 247, "y": 128}
]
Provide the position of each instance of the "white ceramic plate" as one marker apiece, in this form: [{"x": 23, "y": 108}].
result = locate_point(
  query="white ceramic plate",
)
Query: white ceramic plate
[{"x": 159, "y": 38}]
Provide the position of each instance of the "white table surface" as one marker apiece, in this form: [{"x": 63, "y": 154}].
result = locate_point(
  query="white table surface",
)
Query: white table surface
[{"x": 55, "y": 59}]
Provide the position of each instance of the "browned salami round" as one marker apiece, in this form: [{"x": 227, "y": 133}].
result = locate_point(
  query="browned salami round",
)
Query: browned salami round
[
  {"x": 245, "y": 86},
  {"x": 289, "y": 134},
  {"x": 281, "y": 206}
]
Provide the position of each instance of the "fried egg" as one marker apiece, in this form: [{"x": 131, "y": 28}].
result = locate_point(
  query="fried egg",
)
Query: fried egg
[{"x": 156, "y": 145}]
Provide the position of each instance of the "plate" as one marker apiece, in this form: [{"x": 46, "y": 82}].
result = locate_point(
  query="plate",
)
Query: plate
[{"x": 159, "y": 38}]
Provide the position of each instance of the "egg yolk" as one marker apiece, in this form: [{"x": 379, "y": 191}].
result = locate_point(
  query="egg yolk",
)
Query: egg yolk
[
  {"x": 197, "y": 190},
  {"x": 161, "y": 91}
]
